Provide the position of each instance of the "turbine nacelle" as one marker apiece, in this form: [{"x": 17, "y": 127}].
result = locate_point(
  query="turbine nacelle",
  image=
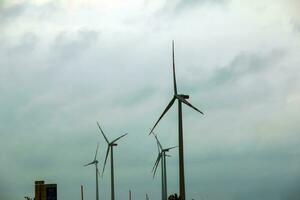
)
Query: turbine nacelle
[
  {"x": 168, "y": 149},
  {"x": 91, "y": 163},
  {"x": 182, "y": 96}
]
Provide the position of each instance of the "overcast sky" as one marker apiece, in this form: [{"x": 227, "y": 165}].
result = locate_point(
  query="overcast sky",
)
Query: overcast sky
[{"x": 65, "y": 64}]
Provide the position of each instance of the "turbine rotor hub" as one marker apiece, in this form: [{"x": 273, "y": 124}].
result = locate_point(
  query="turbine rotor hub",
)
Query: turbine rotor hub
[{"x": 184, "y": 96}]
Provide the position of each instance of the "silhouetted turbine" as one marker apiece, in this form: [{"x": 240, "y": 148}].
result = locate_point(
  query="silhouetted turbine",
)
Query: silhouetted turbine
[
  {"x": 182, "y": 98},
  {"x": 95, "y": 161},
  {"x": 110, "y": 146},
  {"x": 162, "y": 158}
]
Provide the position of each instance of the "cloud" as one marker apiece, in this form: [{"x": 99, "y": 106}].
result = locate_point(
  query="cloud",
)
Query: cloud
[
  {"x": 190, "y": 3},
  {"x": 296, "y": 26},
  {"x": 4, "y": 190},
  {"x": 20, "y": 13},
  {"x": 12, "y": 11},
  {"x": 292, "y": 191},
  {"x": 69, "y": 47},
  {"x": 244, "y": 65},
  {"x": 234, "y": 85}
]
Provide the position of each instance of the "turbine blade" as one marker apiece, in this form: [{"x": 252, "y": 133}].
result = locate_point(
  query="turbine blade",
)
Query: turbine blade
[
  {"x": 159, "y": 158},
  {"x": 158, "y": 147},
  {"x": 166, "y": 110},
  {"x": 189, "y": 104},
  {"x": 167, "y": 149},
  {"x": 119, "y": 138},
  {"x": 107, "y": 151},
  {"x": 103, "y": 133},
  {"x": 89, "y": 163},
  {"x": 156, "y": 161},
  {"x": 157, "y": 141},
  {"x": 174, "y": 75},
  {"x": 96, "y": 151}
]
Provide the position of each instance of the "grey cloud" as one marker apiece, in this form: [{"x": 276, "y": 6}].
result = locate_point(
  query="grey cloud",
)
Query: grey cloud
[
  {"x": 267, "y": 176},
  {"x": 11, "y": 12},
  {"x": 244, "y": 65},
  {"x": 292, "y": 191},
  {"x": 25, "y": 46},
  {"x": 296, "y": 26},
  {"x": 183, "y": 4},
  {"x": 171, "y": 10},
  {"x": 177, "y": 7},
  {"x": 68, "y": 47},
  {"x": 4, "y": 190},
  {"x": 138, "y": 96}
]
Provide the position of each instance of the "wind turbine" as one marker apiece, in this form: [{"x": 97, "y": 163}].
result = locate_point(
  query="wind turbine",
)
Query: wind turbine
[
  {"x": 182, "y": 98},
  {"x": 95, "y": 162},
  {"x": 110, "y": 146},
  {"x": 162, "y": 158},
  {"x": 159, "y": 157}
]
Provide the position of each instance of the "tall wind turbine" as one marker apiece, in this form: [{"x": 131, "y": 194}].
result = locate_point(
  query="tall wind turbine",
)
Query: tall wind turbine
[
  {"x": 162, "y": 158},
  {"x": 110, "y": 146},
  {"x": 182, "y": 98},
  {"x": 95, "y": 162}
]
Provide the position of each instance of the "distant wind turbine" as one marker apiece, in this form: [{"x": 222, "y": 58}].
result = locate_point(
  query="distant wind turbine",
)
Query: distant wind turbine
[
  {"x": 110, "y": 146},
  {"x": 162, "y": 158},
  {"x": 95, "y": 162},
  {"x": 182, "y": 98}
]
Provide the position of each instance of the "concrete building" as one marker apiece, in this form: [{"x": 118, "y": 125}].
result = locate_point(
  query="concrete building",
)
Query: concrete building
[{"x": 45, "y": 191}]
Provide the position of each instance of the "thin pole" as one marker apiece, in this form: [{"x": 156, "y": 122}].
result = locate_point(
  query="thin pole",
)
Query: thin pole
[
  {"x": 165, "y": 176},
  {"x": 97, "y": 188},
  {"x": 129, "y": 194},
  {"x": 112, "y": 173},
  {"x": 181, "y": 155},
  {"x": 162, "y": 177},
  {"x": 81, "y": 192}
]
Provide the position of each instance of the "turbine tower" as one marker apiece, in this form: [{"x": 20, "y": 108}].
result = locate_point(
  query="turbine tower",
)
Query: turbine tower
[
  {"x": 162, "y": 158},
  {"x": 182, "y": 98},
  {"x": 110, "y": 148},
  {"x": 95, "y": 162}
]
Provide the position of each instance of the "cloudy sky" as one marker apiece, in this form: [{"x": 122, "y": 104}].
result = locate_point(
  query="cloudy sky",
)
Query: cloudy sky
[{"x": 65, "y": 64}]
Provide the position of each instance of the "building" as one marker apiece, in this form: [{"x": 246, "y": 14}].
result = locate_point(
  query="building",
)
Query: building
[{"x": 45, "y": 191}]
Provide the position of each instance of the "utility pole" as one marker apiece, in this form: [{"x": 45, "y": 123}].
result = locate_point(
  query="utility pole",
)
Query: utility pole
[{"x": 81, "y": 189}]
